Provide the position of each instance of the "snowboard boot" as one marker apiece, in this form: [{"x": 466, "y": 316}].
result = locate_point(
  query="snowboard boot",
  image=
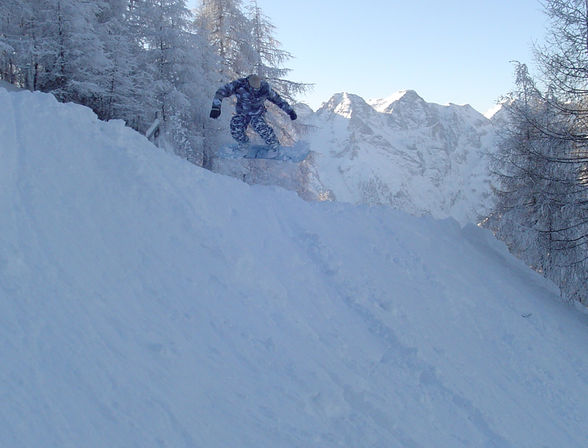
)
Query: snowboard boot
[
  {"x": 272, "y": 150},
  {"x": 242, "y": 147}
]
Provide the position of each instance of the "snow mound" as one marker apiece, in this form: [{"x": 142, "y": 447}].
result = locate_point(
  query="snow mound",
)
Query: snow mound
[{"x": 147, "y": 302}]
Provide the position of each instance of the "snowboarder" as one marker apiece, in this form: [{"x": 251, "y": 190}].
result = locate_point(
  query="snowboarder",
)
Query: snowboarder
[{"x": 251, "y": 94}]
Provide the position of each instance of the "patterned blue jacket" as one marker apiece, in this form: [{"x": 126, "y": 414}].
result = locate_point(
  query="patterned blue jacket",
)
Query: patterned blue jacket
[{"x": 250, "y": 101}]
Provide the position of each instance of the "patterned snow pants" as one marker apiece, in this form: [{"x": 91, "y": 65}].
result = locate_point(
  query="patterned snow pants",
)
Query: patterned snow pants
[{"x": 239, "y": 124}]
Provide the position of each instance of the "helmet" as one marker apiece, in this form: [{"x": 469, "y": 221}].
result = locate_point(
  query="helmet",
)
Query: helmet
[{"x": 254, "y": 81}]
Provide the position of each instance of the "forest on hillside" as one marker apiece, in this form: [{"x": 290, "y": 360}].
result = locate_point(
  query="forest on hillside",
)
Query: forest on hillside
[{"x": 142, "y": 60}]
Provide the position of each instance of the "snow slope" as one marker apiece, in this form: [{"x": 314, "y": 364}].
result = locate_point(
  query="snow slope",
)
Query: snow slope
[{"x": 145, "y": 302}]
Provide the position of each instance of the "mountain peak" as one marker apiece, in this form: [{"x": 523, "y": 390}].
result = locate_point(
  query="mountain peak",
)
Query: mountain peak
[
  {"x": 345, "y": 104},
  {"x": 385, "y": 105}
]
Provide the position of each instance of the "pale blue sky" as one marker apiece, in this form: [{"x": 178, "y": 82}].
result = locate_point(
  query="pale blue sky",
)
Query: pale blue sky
[{"x": 456, "y": 51}]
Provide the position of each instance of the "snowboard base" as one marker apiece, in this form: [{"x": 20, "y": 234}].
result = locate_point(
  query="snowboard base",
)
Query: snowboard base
[{"x": 296, "y": 153}]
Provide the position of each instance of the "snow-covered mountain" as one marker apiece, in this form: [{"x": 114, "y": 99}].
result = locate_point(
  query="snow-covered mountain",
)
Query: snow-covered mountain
[
  {"x": 402, "y": 151},
  {"x": 423, "y": 158},
  {"x": 145, "y": 302}
]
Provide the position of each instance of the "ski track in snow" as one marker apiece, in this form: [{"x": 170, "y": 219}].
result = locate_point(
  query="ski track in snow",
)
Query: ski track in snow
[{"x": 147, "y": 302}]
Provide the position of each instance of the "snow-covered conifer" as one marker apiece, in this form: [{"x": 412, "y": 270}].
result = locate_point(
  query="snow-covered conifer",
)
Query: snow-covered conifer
[
  {"x": 229, "y": 33},
  {"x": 544, "y": 205},
  {"x": 269, "y": 56}
]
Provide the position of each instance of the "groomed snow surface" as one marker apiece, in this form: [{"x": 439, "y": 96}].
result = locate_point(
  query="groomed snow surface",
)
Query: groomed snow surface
[{"x": 145, "y": 302}]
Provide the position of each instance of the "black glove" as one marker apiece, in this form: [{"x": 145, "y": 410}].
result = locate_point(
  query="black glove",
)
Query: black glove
[
  {"x": 215, "y": 112},
  {"x": 293, "y": 115}
]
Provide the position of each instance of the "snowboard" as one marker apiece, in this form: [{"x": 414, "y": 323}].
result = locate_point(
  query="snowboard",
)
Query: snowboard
[{"x": 296, "y": 153}]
